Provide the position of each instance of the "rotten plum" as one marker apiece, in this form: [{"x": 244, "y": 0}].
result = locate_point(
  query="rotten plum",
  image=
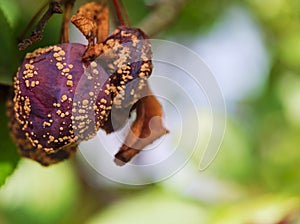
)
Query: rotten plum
[{"x": 60, "y": 98}]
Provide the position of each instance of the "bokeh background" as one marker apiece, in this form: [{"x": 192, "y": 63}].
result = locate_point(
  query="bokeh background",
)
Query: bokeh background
[{"x": 253, "y": 49}]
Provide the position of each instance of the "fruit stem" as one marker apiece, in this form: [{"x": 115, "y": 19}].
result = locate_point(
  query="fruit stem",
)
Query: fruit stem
[
  {"x": 64, "y": 33},
  {"x": 119, "y": 6}
]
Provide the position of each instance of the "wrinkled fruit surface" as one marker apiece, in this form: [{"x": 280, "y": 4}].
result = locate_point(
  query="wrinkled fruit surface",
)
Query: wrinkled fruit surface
[{"x": 59, "y": 100}]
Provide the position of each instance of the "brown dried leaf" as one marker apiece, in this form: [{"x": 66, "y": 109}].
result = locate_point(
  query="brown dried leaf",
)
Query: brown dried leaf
[
  {"x": 102, "y": 24},
  {"x": 86, "y": 26},
  {"x": 147, "y": 127},
  {"x": 92, "y": 52},
  {"x": 92, "y": 20}
]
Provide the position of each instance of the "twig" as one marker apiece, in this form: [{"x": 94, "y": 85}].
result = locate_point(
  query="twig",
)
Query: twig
[
  {"x": 34, "y": 18},
  {"x": 36, "y": 35},
  {"x": 164, "y": 13}
]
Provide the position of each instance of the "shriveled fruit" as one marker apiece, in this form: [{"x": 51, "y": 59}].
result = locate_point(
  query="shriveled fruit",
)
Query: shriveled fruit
[{"x": 60, "y": 98}]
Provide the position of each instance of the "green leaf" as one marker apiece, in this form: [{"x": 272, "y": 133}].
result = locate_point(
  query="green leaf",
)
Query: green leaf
[
  {"x": 40, "y": 195},
  {"x": 9, "y": 52},
  {"x": 8, "y": 151},
  {"x": 11, "y": 11}
]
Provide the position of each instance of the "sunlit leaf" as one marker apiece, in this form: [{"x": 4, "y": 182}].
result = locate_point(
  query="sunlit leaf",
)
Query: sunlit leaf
[
  {"x": 40, "y": 195},
  {"x": 152, "y": 207},
  {"x": 267, "y": 209}
]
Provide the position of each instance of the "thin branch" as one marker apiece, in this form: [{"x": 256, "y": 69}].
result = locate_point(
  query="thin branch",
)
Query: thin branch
[
  {"x": 36, "y": 35},
  {"x": 165, "y": 13},
  {"x": 34, "y": 18}
]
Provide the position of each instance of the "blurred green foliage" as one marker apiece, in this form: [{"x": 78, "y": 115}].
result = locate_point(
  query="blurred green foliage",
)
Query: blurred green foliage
[
  {"x": 259, "y": 210},
  {"x": 260, "y": 154},
  {"x": 9, "y": 55},
  {"x": 9, "y": 156},
  {"x": 39, "y": 195},
  {"x": 150, "y": 207},
  {"x": 198, "y": 16}
]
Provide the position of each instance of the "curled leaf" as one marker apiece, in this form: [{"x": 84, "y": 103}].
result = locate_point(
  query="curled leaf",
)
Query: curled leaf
[
  {"x": 92, "y": 20},
  {"x": 147, "y": 127}
]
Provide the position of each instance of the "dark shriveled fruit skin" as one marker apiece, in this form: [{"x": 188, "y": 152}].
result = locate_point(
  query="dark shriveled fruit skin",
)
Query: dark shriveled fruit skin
[
  {"x": 42, "y": 95},
  {"x": 42, "y": 128},
  {"x": 25, "y": 147},
  {"x": 60, "y": 100}
]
